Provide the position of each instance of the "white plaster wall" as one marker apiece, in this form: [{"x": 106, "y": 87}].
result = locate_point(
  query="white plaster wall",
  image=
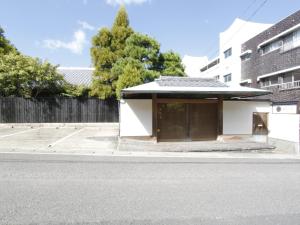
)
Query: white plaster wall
[
  {"x": 284, "y": 126},
  {"x": 193, "y": 65},
  {"x": 239, "y": 32},
  {"x": 238, "y": 115},
  {"x": 135, "y": 117},
  {"x": 290, "y": 109}
]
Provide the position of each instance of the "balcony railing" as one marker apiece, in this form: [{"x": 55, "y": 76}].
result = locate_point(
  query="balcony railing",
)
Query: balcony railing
[{"x": 283, "y": 86}]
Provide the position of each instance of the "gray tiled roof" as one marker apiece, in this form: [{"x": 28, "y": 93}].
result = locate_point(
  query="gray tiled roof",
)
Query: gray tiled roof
[
  {"x": 76, "y": 75},
  {"x": 189, "y": 82}
]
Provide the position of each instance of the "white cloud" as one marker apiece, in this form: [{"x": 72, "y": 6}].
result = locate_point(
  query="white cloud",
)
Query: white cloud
[
  {"x": 75, "y": 46},
  {"x": 127, "y": 2},
  {"x": 85, "y": 25}
]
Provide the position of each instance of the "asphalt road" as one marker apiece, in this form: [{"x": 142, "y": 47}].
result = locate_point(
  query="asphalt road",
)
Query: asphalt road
[{"x": 51, "y": 189}]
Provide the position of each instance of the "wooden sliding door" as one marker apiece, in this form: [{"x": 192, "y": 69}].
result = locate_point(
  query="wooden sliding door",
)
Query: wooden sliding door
[
  {"x": 203, "y": 122},
  {"x": 172, "y": 121},
  {"x": 187, "y": 121}
]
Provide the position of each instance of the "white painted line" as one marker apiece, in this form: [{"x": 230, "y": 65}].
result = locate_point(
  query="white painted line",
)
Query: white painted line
[
  {"x": 66, "y": 137},
  {"x": 20, "y": 132}
]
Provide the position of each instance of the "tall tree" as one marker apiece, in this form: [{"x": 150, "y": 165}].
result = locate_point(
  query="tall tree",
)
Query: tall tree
[
  {"x": 120, "y": 31},
  {"x": 103, "y": 59},
  {"x": 5, "y": 45},
  {"x": 118, "y": 48},
  {"x": 107, "y": 47},
  {"x": 143, "y": 48},
  {"x": 147, "y": 51},
  {"x": 131, "y": 76},
  {"x": 171, "y": 64}
]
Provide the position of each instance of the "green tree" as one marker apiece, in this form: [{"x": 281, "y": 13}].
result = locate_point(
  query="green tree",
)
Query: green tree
[
  {"x": 23, "y": 76},
  {"x": 171, "y": 64},
  {"x": 103, "y": 59},
  {"x": 5, "y": 45},
  {"x": 107, "y": 47},
  {"x": 146, "y": 50},
  {"x": 131, "y": 76},
  {"x": 119, "y": 66},
  {"x": 120, "y": 32},
  {"x": 118, "y": 48},
  {"x": 76, "y": 90},
  {"x": 124, "y": 76},
  {"x": 143, "y": 48}
]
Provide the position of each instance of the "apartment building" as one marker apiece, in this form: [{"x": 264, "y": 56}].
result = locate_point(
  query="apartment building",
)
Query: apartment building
[
  {"x": 268, "y": 57},
  {"x": 271, "y": 61},
  {"x": 226, "y": 67}
]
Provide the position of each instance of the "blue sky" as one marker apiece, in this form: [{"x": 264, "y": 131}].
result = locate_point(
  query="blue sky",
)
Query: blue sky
[{"x": 61, "y": 30}]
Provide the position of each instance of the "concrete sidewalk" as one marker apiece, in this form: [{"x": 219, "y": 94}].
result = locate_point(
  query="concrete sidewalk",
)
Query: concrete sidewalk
[
  {"x": 196, "y": 155},
  {"x": 240, "y": 145}
]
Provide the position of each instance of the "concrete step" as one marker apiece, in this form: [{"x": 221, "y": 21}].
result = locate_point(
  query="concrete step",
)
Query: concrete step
[{"x": 203, "y": 146}]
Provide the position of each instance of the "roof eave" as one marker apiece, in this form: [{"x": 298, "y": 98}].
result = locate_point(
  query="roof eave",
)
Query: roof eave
[{"x": 233, "y": 93}]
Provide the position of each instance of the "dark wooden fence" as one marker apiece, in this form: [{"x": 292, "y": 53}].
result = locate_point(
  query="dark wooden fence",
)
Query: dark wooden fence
[{"x": 58, "y": 110}]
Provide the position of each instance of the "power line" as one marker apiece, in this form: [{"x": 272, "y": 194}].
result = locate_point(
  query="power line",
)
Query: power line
[
  {"x": 241, "y": 27},
  {"x": 213, "y": 43},
  {"x": 250, "y": 5}
]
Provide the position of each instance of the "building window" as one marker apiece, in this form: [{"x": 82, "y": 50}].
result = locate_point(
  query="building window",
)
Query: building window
[
  {"x": 282, "y": 81},
  {"x": 271, "y": 47},
  {"x": 265, "y": 82},
  {"x": 296, "y": 76},
  {"x": 286, "y": 78},
  {"x": 227, "y": 78},
  {"x": 246, "y": 84},
  {"x": 217, "y": 77},
  {"x": 246, "y": 56},
  {"x": 291, "y": 41},
  {"x": 274, "y": 80},
  {"x": 210, "y": 65},
  {"x": 228, "y": 53}
]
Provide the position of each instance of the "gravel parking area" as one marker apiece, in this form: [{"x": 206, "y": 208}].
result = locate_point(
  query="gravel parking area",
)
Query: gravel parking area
[{"x": 63, "y": 139}]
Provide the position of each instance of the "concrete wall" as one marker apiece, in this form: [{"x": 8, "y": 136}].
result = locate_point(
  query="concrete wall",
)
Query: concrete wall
[
  {"x": 284, "y": 127},
  {"x": 193, "y": 65},
  {"x": 284, "y": 132},
  {"x": 238, "y": 116},
  {"x": 135, "y": 117}
]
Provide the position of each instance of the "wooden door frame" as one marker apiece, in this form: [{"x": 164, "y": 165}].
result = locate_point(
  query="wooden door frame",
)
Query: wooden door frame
[
  {"x": 220, "y": 116},
  {"x": 156, "y": 101},
  {"x": 154, "y": 116},
  {"x": 183, "y": 100},
  {"x": 267, "y": 122}
]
